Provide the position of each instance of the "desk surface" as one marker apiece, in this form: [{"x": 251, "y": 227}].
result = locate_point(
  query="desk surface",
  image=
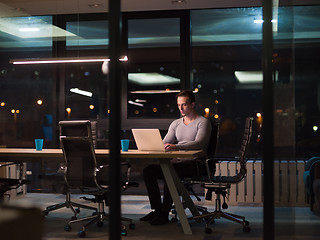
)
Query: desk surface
[
  {"x": 30, "y": 152},
  {"x": 30, "y": 155}
]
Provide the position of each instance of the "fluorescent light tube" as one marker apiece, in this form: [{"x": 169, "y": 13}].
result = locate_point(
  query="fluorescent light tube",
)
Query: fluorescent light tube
[
  {"x": 63, "y": 60},
  {"x": 81, "y": 92},
  {"x": 135, "y": 103},
  {"x": 247, "y": 77}
]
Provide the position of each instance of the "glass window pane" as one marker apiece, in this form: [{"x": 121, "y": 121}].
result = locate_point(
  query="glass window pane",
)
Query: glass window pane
[
  {"x": 153, "y": 67},
  {"x": 296, "y": 117},
  {"x": 26, "y": 33},
  {"x": 226, "y": 26},
  {"x": 162, "y": 32},
  {"x": 86, "y": 91},
  {"x": 87, "y": 35},
  {"x": 27, "y": 93},
  {"x": 227, "y": 70}
]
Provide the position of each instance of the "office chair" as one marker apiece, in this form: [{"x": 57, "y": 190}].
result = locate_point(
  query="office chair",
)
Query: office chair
[
  {"x": 83, "y": 172},
  {"x": 76, "y": 128},
  {"x": 210, "y": 163},
  {"x": 309, "y": 176},
  {"x": 7, "y": 184},
  {"x": 220, "y": 185}
]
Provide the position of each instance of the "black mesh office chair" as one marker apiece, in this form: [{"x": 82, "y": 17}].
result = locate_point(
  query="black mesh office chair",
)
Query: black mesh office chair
[
  {"x": 83, "y": 172},
  {"x": 220, "y": 184},
  {"x": 7, "y": 184},
  {"x": 71, "y": 129}
]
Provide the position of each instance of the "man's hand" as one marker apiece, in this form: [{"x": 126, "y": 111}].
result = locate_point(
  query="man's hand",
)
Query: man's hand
[{"x": 170, "y": 147}]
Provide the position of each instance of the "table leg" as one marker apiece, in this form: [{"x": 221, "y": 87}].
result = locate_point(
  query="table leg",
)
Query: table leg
[
  {"x": 183, "y": 192},
  {"x": 172, "y": 179}
]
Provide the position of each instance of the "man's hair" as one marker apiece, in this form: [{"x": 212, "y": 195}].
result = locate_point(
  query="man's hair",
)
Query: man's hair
[{"x": 187, "y": 93}]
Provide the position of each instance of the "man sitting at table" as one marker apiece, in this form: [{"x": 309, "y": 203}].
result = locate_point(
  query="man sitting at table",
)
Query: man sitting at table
[{"x": 190, "y": 132}]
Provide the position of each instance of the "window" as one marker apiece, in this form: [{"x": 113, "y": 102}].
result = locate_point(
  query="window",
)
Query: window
[{"x": 153, "y": 67}]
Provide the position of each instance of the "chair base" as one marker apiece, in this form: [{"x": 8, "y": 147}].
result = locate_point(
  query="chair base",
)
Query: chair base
[
  {"x": 210, "y": 218},
  {"x": 98, "y": 218},
  {"x": 68, "y": 204},
  {"x": 218, "y": 213},
  {"x": 201, "y": 209}
]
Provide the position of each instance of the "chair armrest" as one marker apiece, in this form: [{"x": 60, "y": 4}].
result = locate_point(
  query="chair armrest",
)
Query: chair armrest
[
  {"x": 102, "y": 167},
  {"x": 8, "y": 164},
  {"x": 230, "y": 159},
  {"x": 208, "y": 161},
  {"x": 213, "y": 160}
]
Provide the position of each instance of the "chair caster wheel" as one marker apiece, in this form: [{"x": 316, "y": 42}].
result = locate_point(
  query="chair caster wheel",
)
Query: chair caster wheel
[
  {"x": 246, "y": 229},
  {"x": 78, "y": 210},
  {"x": 132, "y": 226},
  {"x": 246, "y": 223},
  {"x": 123, "y": 232},
  {"x": 67, "y": 228},
  {"x": 81, "y": 234},
  {"x": 208, "y": 230},
  {"x": 225, "y": 206},
  {"x": 99, "y": 224}
]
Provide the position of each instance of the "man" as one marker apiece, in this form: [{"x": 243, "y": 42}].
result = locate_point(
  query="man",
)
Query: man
[{"x": 190, "y": 132}]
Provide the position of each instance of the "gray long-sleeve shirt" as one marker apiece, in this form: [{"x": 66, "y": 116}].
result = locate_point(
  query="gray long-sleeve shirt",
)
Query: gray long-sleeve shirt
[{"x": 194, "y": 136}]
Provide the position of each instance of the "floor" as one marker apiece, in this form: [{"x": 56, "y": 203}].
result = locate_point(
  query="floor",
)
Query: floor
[{"x": 291, "y": 223}]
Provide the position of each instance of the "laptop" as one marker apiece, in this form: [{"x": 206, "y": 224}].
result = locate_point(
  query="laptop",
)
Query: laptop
[{"x": 148, "y": 139}]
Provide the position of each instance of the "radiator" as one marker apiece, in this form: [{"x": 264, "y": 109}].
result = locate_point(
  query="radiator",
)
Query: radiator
[{"x": 289, "y": 188}]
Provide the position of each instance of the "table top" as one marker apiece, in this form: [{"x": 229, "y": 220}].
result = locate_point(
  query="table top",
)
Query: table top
[{"x": 15, "y": 153}]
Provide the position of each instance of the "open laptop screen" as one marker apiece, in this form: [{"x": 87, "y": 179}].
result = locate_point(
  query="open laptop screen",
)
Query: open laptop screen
[{"x": 148, "y": 139}]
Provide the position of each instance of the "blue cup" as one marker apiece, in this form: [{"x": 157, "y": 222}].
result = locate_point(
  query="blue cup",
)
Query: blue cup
[
  {"x": 39, "y": 144},
  {"x": 124, "y": 145}
]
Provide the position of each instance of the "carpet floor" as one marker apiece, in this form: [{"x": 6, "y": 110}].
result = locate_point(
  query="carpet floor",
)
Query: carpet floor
[{"x": 291, "y": 223}]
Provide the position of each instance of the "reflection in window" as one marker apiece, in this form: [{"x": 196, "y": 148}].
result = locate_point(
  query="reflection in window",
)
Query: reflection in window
[
  {"x": 153, "y": 68},
  {"x": 31, "y": 32},
  {"x": 162, "y": 32},
  {"x": 86, "y": 91},
  {"x": 88, "y": 35},
  {"x": 225, "y": 57}
]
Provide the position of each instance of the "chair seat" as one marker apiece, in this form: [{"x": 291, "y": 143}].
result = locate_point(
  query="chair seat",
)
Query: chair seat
[
  {"x": 216, "y": 179},
  {"x": 7, "y": 184}
]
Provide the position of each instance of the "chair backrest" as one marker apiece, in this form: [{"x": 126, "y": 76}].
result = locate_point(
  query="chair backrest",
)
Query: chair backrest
[
  {"x": 78, "y": 150},
  {"x": 241, "y": 158},
  {"x": 213, "y": 142},
  {"x": 212, "y": 147},
  {"x": 243, "y": 150},
  {"x": 78, "y": 128}
]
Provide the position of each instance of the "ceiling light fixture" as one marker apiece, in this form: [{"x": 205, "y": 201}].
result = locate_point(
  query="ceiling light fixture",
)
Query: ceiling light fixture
[
  {"x": 152, "y": 78},
  {"x": 259, "y": 21},
  {"x": 29, "y": 29},
  {"x": 96, "y": 5},
  {"x": 249, "y": 77},
  {"x": 81, "y": 92},
  {"x": 135, "y": 103},
  {"x": 154, "y": 91},
  {"x": 19, "y": 9},
  {"x": 178, "y": 1},
  {"x": 63, "y": 60}
]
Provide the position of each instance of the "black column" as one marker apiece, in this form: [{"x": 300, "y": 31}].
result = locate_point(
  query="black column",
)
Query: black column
[
  {"x": 267, "y": 130},
  {"x": 115, "y": 117},
  {"x": 185, "y": 51}
]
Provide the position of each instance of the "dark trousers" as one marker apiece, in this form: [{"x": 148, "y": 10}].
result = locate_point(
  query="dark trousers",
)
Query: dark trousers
[{"x": 152, "y": 173}]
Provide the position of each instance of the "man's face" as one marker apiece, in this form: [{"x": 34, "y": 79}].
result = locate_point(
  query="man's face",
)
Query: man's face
[{"x": 184, "y": 106}]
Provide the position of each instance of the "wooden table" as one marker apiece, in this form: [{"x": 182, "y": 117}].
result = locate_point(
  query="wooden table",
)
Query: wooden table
[{"x": 173, "y": 181}]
